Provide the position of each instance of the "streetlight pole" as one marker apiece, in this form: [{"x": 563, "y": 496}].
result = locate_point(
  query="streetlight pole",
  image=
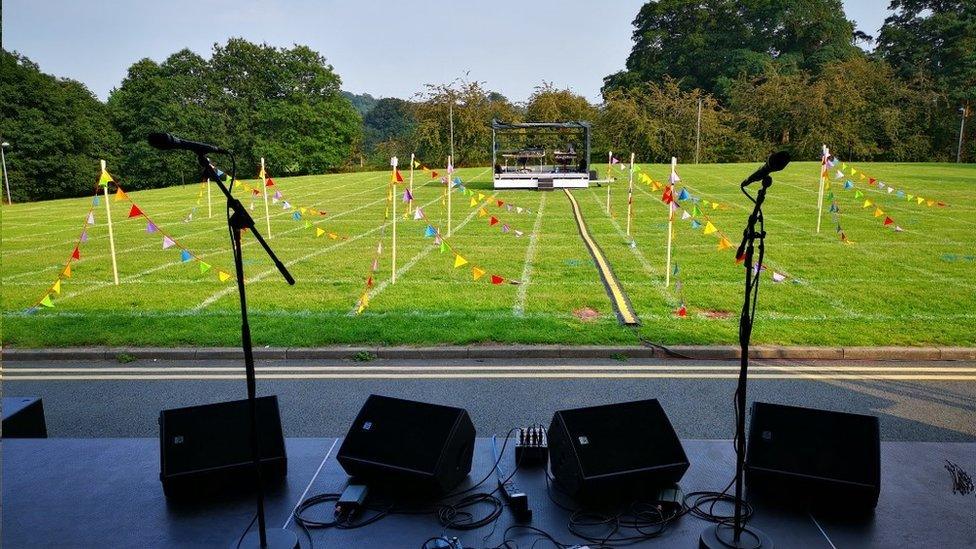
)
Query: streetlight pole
[
  {"x": 6, "y": 180},
  {"x": 963, "y": 111}
]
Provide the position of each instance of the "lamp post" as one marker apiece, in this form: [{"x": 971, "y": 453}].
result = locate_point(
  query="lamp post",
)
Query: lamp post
[
  {"x": 963, "y": 112},
  {"x": 6, "y": 180}
]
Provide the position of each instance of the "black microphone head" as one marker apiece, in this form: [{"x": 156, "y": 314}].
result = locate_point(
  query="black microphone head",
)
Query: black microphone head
[
  {"x": 161, "y": 140},
  {"x": 778, "y": 160}
]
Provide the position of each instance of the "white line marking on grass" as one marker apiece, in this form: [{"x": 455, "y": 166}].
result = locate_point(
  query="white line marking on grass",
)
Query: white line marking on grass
[
  {"x": 519, "y": 308},
  {"x": 309, "y": 487},
  {"x": 422, "y": 253}
]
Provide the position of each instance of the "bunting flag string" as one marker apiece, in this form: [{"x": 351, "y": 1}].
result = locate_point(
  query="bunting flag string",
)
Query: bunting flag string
[
  {"x": 849, "y": 185},
  {"x": 374, "y": 267},
  {"x": 873, "y": 183},
  {"x": 479, "y": 200},
  {"x": 200, "y": 193},
  {"x": 697, "y": 216},
  {"x": 186, "y": 256},
  {"x": 477, "y": 272},
  {"x": 299, "y": 214},
  {"x": 834, "y": 208},
  {"x": 48, "y": 297}
]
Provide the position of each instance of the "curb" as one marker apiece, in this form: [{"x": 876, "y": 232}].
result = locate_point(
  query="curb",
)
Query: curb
[{"x": 510, "y": 352}]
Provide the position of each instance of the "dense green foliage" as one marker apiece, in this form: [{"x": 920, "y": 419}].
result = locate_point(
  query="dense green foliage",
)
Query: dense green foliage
[{"x": 57, "y": 131}]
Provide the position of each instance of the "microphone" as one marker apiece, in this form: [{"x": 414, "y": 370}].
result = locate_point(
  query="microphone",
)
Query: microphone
[
  {"x": 168, "y": 141},
  {"x": 776, "y": 162}
]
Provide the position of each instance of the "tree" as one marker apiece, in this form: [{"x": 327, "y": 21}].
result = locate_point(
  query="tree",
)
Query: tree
[
  {"x": 474, "y": 107},
  {"x": 658, "y": 121},
  {"x": 708, "y": 43},
  {"x": 363, "y": 102},
  {"x": 58, "y": 132},
  {"x": 391, "y": 121},
  {"x": 550, "y": 104},
  {"x": 933, "y": 42}
]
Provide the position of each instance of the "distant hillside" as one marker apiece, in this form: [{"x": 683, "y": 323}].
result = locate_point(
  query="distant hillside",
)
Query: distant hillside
[{"x": 363, "y": 102}]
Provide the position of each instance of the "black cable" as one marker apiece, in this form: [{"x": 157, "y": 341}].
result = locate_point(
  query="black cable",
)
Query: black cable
[{"x": 240, "y": 540}]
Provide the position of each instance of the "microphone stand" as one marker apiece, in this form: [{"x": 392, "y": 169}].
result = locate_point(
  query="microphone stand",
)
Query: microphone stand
[
  {"x": 740, "y": 536},
  {"x": 238, "y": 220}
]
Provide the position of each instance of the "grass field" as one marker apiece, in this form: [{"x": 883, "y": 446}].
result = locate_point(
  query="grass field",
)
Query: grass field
[{"x": 908, "y": 288}]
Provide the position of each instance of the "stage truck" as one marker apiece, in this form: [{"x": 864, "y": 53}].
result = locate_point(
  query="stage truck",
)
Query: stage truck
[{"x": 541, "y": 155}]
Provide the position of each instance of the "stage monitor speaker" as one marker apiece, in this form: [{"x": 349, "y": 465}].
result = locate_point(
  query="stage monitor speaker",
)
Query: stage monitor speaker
[
  {"x": 406, "y": 444},
  {"x": 23, "y": 417},
  {"x": 810, "y": 456},
  {"x": 206, "y": 450},
  {"x": 615, "y": 449}
]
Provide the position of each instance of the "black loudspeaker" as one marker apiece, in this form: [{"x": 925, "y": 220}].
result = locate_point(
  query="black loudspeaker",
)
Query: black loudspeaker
[
  {"x": 404, "y": 444},
  {"x": 814, "y": 456},
  {"x": 23, "y": 417},
  {"x": 206, "y": 450},
  {"x": 615, "y": 449}
]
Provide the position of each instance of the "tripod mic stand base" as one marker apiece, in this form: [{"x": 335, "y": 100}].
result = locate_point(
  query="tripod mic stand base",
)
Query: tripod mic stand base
[
  {"x": 278, "y": 538},
  {"x": 722, "y": 536}
]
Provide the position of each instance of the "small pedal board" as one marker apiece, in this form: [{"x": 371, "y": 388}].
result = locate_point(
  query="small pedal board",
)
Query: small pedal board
[{"x": 531, "y": 446}]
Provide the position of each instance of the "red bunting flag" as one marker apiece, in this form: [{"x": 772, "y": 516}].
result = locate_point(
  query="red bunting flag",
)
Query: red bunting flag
[
  {"x": 433, "y": 175},
  {"x": 496, "y": 280},
  {"x": 872, "y": 181},
  {"x": 76, "y": 254},
  {"x": 493, "y": 221},
  {"x": 269, "y": 182},
  {"x": 399, "y": 177},
  {"x": 888, "y": 221},
  {"x": 666, "y": 197},
  {"x": 135, "y": 211},
  {"x": 500, "y": 203},
  {"x": 369, "y": 282},
  {"x": 682, "y": 311}
]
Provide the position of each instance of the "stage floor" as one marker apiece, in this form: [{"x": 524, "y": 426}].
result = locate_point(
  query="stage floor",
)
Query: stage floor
[{"x": 106, "y": 493}]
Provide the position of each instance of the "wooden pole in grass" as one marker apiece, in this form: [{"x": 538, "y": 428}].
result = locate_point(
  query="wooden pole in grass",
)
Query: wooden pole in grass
[
  {"x": 450, "y": 173},
  {"x": 630, "y": 194},
  {"x": 823, "y": 177},
  {"x": 111, "y": 235},
  {"x": 410, "y": 202},
  {"x": 667, "y": 267},
  {"x": 393, "y": 163},
  {"x": 264, "y": 187},
  {"x": 609, "y": 173}
]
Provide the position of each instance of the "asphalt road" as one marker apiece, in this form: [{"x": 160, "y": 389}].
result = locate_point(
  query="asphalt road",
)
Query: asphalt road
[{"x": 916, "y": 401}]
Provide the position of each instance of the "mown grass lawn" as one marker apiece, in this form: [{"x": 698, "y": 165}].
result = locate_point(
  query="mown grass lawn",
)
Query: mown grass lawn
[{"x": 913, "y": 287}]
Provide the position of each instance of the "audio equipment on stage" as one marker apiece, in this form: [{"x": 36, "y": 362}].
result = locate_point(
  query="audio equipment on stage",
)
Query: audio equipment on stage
[
  {"x": 23, "y": 417},
  {"x": 626, "y": 448},
  {"x": 531, "y": 446},
  {"x": 402, "y": 443},
  {"x": 814, "y": 456},
  {"x": 206, "y": 449}
]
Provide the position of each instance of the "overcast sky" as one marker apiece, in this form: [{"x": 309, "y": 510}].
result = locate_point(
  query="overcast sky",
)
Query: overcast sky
[{"x": 388, "y": 48}]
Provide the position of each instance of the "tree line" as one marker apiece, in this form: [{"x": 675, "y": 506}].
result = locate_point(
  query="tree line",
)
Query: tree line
[{"x": 765, "y": 75}]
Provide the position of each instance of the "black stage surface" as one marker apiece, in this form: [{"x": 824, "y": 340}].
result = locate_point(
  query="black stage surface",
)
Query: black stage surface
[{"x": 106, "y": 493}]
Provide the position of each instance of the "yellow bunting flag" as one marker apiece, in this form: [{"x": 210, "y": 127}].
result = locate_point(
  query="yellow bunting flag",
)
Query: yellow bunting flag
[
  {"x": 473, "y": 202},
  {"x": 724, "y": 244},
  {"x": 119, "y": 195},
  {"x": 363, "y": 302},
  {"x": 709, "y": 228},
  {"x": 477, "y": 273},
  {"x": 481, "y": 196},
  {"x": 104, "y": 179},
  {"x": 920, "y": 200},
  {"x": 333, "y": 236},
  {"x": 930, "y": 202},
  {"x": 867, "y": 203},
  {"x": 47, "y": 301},
  {"x": 57, "y": 287},
  {"x": 224, "y": 277},
  {"x": 482, "y": 212},
  {"x": 458, "y": 261},
  {"x": 319, "y": 231}
]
